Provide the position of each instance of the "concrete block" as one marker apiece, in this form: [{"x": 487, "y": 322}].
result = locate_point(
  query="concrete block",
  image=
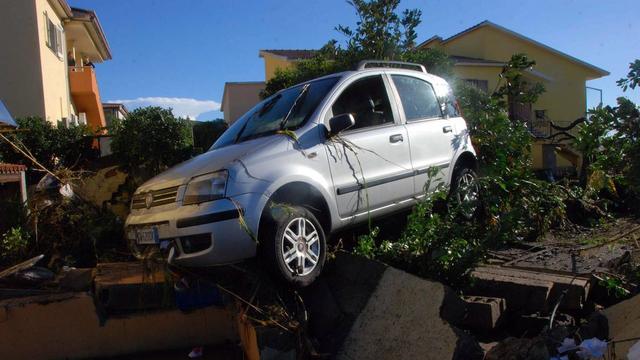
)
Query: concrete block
[
  {"x": 521, "y": 294},
  {"x": 484, "y": 313},
  {"x": 577, "y": 287}
]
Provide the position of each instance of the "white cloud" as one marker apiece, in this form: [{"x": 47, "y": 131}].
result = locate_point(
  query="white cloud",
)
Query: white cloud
[{"x": 183, "y": 107}]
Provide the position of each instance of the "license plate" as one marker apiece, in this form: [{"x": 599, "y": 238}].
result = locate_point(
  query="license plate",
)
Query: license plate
[{"x": 147, "y": 235}]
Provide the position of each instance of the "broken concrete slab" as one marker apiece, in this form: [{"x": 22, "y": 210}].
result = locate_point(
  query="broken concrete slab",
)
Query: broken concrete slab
[
  {"x": 66, "y": 326},
  {"x": 402, "y": 317},
  {"x": 484, "y": 313},
  {"x": 624, "y": 323}
]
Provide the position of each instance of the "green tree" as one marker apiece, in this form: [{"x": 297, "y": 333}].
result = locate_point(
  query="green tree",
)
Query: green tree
[
  {"x": 382, "y": 32},
  {"x": 151, "y": 138},
  {"x": 205, "y": 133},
  {"x": 633, "y": 77}
]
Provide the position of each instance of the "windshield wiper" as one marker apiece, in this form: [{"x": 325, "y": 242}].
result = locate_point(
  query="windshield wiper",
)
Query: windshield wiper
[{"x": 300, "y": 96}]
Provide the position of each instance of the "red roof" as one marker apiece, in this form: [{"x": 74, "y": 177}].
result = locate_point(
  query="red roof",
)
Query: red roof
[{"x": 11, "y": 168}]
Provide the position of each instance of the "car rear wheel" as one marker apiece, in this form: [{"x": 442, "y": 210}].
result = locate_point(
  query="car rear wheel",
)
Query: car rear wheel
[{"x": 295, "y": 245}]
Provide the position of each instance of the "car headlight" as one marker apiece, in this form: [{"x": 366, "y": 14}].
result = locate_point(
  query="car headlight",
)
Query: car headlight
[{"x": 206, "y": 187}]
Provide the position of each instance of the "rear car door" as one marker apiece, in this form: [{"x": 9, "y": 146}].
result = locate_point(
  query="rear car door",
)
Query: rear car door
[
  {"x": 430, "y": 133},
  {"x": 370, "y": 163}
]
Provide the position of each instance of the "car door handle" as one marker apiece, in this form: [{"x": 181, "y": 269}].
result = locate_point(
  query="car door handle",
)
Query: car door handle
[
  {"x": 447, "y": 129},
  {"x": 396, "y": 138}
]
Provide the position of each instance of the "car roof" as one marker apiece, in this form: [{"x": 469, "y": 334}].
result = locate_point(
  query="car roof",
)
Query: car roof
[{"x": 378, "y": 70}]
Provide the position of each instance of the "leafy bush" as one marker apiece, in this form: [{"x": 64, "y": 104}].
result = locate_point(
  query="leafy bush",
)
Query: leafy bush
[
  {"x": 52, "y": 146},
  {"x": 14, "y": 246},
  {"x": 205, "y": 133},
  {"x": 151, "y": 137},
  {"x": 516, "y": 205}
]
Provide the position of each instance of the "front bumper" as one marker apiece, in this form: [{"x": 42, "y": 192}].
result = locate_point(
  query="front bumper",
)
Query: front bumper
[{"x": 217, "y": 220}]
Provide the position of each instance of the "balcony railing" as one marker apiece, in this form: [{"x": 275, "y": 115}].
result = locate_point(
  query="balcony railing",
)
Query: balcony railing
[{"x": 556, "y": 131}]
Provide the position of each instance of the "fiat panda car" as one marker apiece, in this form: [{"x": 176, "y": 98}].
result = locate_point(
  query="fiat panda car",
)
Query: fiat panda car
[{"x": 308, "y": 161}]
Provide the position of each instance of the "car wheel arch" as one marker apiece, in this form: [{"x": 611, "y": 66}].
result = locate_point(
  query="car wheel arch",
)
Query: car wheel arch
[{"x": 299, "y": 193}]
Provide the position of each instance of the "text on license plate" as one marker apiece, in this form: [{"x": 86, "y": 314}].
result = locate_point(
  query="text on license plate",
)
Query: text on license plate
[{"x": 147, "y": 235}]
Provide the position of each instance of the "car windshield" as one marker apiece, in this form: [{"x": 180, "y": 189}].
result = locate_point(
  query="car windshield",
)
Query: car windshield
[{"x": 288, "y": 109}]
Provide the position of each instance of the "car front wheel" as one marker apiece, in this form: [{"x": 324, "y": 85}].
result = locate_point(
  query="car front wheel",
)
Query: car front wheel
[
  {"x": 466, "y": 192},
  {"x": 295, "y": 245}
]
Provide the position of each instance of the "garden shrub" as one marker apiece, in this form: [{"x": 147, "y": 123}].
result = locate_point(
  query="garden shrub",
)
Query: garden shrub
[
  {"x": 52, "y": 146},
  {"x": 152, "y": 138}
]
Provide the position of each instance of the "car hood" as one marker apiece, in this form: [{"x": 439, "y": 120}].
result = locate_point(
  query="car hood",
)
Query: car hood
[{"x": 208, "y": 162}]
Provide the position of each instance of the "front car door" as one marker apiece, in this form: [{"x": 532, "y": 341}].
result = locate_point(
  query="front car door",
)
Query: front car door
[
  {"x": 431, "y": 133},
  {"x": 370, "y": 162}
]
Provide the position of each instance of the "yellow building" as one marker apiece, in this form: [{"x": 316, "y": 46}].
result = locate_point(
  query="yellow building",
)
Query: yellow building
[
  {"x": 479, "y": 53},
  {"x": 239, "y": 97},
  {"x": 46, "y": 67}
]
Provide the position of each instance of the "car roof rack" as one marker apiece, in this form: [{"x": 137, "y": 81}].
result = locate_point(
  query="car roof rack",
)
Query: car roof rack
[{"x": 365, "y": 64}]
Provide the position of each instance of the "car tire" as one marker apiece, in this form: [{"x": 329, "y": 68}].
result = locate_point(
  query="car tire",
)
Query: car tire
[
  {"x": 294, "y": 244},
  {"x": 465, "y": 192}
]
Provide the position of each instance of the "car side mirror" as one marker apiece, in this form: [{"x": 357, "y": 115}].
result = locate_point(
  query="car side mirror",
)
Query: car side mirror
[{"x": 340, "y": 123}]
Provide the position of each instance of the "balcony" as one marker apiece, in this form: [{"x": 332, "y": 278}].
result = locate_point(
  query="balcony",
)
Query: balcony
[{"x": 86, "y": 96}]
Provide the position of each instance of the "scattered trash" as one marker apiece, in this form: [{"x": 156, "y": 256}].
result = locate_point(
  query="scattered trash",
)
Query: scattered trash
[
  {"x": 592, "y": 349},
  {"x": 34, "y": 276},
  {"x": 66, "y": 191},
  {"x": 634, "y": 352},
  {"x": 196, "y": 352},
  {"x": 568, "y": 344},
  {"x": 21, "y": 266}
]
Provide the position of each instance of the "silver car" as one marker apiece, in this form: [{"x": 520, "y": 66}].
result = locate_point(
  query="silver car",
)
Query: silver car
[{"x": 311, "y": 159}]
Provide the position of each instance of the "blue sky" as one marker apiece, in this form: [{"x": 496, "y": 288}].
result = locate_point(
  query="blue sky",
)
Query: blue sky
[{"x": 180, "y": 53}]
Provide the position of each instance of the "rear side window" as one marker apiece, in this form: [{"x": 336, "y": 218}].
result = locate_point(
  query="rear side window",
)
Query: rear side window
[
  {"x": 366, "y": 99},
  {"x": 418, "y": 98}
]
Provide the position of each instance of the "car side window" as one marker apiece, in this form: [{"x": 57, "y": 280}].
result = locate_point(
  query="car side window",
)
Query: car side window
[
  {"x": 418, "y": 98},
  {"x": 366, "y": 99}
]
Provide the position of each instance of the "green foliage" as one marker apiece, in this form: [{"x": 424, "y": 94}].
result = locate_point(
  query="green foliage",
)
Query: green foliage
[
  {"x": 74, "y": 232},
  {"x": 151, "y": 137},
  {"x": 516, "y": 205},
  {"x": 513, "y": 87},
  {"x": 205, "y": 133},
  {"x": 633, "y": 77},
  {"x": 382, "y": 32},
  {"x": 610, "y": 142},
  {"x": 52, "y": 146},
  {"x": 13, "y": 245}
]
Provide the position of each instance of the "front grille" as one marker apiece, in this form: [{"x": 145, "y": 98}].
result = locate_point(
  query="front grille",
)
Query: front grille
[{"x": 160, "y": 197}]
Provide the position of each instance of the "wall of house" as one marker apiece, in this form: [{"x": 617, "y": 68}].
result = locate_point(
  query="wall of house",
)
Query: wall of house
[
  {"x": 20, "y": 73},
  {"x": 57, "y": 100},
  {"x": 272, "y": 63},
  {"x": 565, "y": 98},
  {"x": 239, "y": 98}
]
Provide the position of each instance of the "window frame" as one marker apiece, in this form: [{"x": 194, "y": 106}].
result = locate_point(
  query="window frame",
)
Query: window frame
[
  {"x": 401, "y": 105},
  {"x": 57, "y": 45},
  {"x": 341, "y": 88}
]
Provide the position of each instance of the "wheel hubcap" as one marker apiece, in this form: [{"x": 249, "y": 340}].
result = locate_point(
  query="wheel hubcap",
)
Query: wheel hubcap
[
  {"x": 467, "y": 194},
  {"x": 300, "y": 246}
]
